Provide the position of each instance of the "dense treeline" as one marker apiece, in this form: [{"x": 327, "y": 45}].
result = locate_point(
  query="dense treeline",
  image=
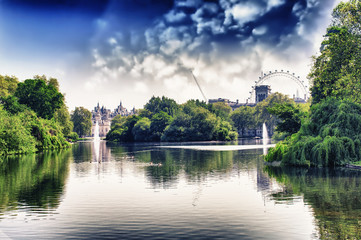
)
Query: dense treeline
[
  {"x": 33, "y": 115},
  {"x": 162, "y": 119},
  {"x": 330, "y": 135}
]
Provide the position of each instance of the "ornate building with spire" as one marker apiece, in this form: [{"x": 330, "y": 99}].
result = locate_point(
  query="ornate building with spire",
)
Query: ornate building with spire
[{"x": 104, "y": 117}]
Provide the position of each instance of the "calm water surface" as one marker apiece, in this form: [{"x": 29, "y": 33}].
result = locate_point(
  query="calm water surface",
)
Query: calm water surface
[{"x": 144, "y": 191}]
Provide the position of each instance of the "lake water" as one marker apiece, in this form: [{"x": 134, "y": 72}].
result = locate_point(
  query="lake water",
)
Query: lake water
[{"x": 188, "y": 191}]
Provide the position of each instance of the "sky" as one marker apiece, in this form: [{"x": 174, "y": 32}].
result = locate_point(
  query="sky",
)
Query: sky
[{"x": 109, "y": 51}]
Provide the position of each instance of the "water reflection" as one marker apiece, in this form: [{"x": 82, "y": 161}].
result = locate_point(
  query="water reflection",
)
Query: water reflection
[
  {"x": 33, "y": 183},
  {"x": 143, "y": 190},
  {"x": 334, "y": 194}
]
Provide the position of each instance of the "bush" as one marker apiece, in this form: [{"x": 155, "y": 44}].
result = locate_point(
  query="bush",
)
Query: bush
[
  {"x": 328, "y": 138},
  {"x": 73, "y": 136}
]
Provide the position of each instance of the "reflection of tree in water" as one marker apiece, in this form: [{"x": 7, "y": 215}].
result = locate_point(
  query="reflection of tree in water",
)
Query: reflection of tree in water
[
  {"x": 166, "y": 164},
  {"x": 334, "y": 195},
  {"x": 198, "y": 164},
  {"x": 36, "y": 181},
  {"x": 82, "y": 152},
  {"x": 162, "y": 167}
]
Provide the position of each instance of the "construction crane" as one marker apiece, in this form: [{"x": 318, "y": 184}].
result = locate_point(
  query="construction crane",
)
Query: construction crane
[{"x": 200, "y": 89}]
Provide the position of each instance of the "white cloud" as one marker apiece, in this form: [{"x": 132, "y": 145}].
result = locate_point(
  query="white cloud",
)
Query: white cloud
[
  {"x": 245, "y": 12},
  {"x": 112, "y": 41},
  {"x": 274, "y": 3},
  {"x": 174, "y": 17},
  {"x": 259, "y": 30},
  {"x": 171, "y": 46}
]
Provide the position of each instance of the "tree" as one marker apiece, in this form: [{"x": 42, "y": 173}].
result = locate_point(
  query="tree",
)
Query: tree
[
  {"x": 290, "y": 116},
  {"x": 159, "y": 122},
  {"x": 62, "y": 116},
  {"x": 12, "y": 105},
  {"x": 337, "y": 71},
  {"x": 330, "y": 136},
  {"x": 262, "y": 114},
  {"x": 222, "y": 110},
  {"x": 141, "y": 130},
  {"x": 243, "y": 118},
  {"x": 49, "y": 81},
  {"x": 8, "y": 85},
  {"x": 348, "y": 14},
  {"x": 122, "y": 128},
  {"x": 15, "y": 137},
  {"x": 42, "y": 98},
  {"x": 164, "y": 104},
  {"x": 81, "y": 119}
]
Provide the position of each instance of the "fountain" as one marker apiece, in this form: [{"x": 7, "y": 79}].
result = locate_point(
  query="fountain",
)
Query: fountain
[
  {"x": 264, "y": 134},
  {"x": 96, "y": 141},
  {"x": 265, "y": 138},
  {"x": 96, "y": 132}
]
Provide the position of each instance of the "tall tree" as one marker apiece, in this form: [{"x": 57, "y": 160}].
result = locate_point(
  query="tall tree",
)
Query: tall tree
[
  {"x": 337, "y": 71},
  {"x": 42, "y": 98},
  {"x": 164, "y": 104},
  {"x": 158, "y": 123},
  {"x": 262, "y": 114},
  {"x": 81, "y": 119},
  {"x": 222, "y": 110},
  {"x": 62, "y": 116},
  {"x": 243, "y": 118},
  {"x": 290, "y": 116}
]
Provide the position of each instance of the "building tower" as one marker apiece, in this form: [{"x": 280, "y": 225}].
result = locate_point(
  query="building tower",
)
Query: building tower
[{"x": 262, "y": 92}]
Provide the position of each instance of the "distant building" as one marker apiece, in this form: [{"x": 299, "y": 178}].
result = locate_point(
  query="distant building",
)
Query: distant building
[
  {"x": 233, "y": 105},
  {"x": 262, "y": 92},
  {"x": 104, "y": 118}
]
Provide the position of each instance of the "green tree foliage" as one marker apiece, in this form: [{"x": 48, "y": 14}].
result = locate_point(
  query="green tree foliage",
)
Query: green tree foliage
[
  {"x": 290, "y": 116},
  {"x": 42, "y": 98},
  {"x": 193, "y": 121},
  {"x": 158, "y": 123},
  {"x": 197, "y": 123},
  {"x": 49, "y": 81},
  {"x": 337, "y": 71},
  {"x": 348, "y": 14},
  {"x": 262, "y": 113},
  {"x": 164, "y": 104},
  {"x": 179, "y": 130},
  {"x": 82, "y": 122},
  {"x": 141, "y": 130},
  {"x": 15, "y": 136},
  {"x": 12, "y": 105},
  {"x": 62, "y": 116},
  {"x": 221, "y": 110},
  {"x": 24, "y": 132},
  {"x": 331, "y": 137},
  {"x": 122, "y": 129},
  {"x": 8, "y": 85},
  {"x": 243, "y": 118}
]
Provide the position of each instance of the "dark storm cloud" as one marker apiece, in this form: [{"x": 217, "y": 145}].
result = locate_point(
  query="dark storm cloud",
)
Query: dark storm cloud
[
  {"x": 149, "y": 25},
  {"x": 225, "y": 42},
  {"x": 95, "y": 7},
  {"x": 225, "y": 22}
]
